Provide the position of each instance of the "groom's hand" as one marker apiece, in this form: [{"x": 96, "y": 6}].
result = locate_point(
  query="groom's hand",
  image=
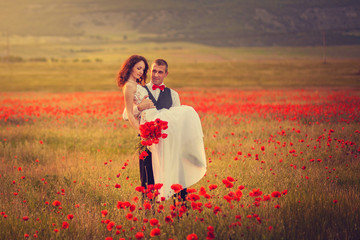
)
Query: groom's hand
[{"x": 145, "y": 103}]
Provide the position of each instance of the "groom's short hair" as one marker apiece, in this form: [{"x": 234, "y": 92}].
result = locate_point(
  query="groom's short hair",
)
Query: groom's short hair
[{"x": 161, "y": 62}]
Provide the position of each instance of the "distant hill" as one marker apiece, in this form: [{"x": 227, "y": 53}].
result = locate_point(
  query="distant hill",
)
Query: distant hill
[{"x": 212, "y": 22}]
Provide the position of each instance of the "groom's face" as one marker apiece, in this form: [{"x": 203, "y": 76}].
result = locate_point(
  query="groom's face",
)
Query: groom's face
[{"x": 158, "y": 73}]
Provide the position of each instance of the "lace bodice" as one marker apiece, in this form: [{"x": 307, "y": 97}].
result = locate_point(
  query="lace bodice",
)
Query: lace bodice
[{"x": 139, "y": 94}]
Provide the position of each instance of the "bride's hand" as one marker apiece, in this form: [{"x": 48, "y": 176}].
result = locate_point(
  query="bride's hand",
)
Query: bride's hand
[{"x": 145, "y": 103}]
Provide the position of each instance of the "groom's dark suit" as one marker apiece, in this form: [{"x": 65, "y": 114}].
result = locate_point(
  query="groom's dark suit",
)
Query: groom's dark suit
[{"x": 146, "y": 171}]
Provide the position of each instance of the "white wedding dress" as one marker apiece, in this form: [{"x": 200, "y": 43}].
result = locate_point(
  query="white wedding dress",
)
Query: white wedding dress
[{"x": 179, "y": 158}]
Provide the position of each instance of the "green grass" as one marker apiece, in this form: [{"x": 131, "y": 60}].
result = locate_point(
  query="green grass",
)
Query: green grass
[
  {"x": 78, "y": 158},
  {"x": 91, "y": 65},
  {"x": 76, "y": 149},
  {"x": 251, "y": 74}
]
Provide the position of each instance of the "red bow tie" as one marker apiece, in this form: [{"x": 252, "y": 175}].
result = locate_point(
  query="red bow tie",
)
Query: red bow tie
[{"x": 161, "y": 87}]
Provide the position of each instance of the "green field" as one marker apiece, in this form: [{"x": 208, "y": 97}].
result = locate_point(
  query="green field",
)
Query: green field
[
  {"x": 68, "y": 65},
  {"x": 74, "y": 148},
  {"x": 275, "y": 119},
  {"x": 281, "y": 124}
]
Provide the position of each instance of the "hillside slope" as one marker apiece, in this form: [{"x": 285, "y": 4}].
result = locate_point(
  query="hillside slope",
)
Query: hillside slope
[{"x": 213, "y": 22}]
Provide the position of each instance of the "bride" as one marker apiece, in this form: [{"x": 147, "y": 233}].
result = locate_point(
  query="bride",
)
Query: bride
[{"x": 179, "y": 158}]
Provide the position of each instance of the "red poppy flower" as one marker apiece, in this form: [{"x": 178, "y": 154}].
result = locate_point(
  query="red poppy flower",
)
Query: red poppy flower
[
  {"x": 143, "y": 155},
  {"x": 228, "y": 198},
  {"x": 150, "y": 195},
  {"x": 255, "y": 193},
  {"x": 190, "y": 190},
  {"x": 139, "y": 235},
  {"x": 192, "y": 236},
  {"x": 227, "y": 183},
  {"x": 147, "y": 205},
  {"x": 56, "y": 203},
  {"x": 154, "y": 222},
  {"x": 65, "y": 225},
  {"x": 129, "y": 216},
  {"x": 117, "y": 185},
  {"x": 210, "y": 236},
  {"x": 276, "y": 194},
  {"x": 212, "y": 186},
  {"x": 231, "y": 179},
  {"x": 140, "y": 189},
  {"x": 150, "y": 132},
  {"x": 123, "y": 205},
  {"x": 193, "y": 197},
  {"x": 104, "y": 213},
  {"x": 176, "y": 187},
  {"x": 194, "y": 206},
  {"x": 217, "y": 209},
  {"x": 266, "y": 198},
  {"x": 132, "y": 208},
  {"x": 202, "y": 191},
  {"x": 110, "y": 226},
  {"x": 70, "y": 216},
  {"x": 158, "y": 186},
  {"x": 168, "y": 219},
  {"x": 208, "y": 205},
  {"x": 25, "y": 218},
  {"x": 155, "y": 232}
]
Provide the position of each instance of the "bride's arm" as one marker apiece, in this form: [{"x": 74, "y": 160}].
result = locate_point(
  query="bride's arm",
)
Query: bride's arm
[
  {"x": 145, "y": 104},
  {"x": 136, "y": 113},
  {"x": 129, "y": 91}
]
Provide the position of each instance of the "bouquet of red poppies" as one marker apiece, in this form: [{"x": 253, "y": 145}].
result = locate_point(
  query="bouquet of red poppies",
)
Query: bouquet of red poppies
[{"x": 151, "y": 132}]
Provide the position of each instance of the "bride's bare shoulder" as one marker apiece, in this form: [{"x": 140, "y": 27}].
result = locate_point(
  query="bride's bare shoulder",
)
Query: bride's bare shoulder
[{"x": 129, "y": 87}]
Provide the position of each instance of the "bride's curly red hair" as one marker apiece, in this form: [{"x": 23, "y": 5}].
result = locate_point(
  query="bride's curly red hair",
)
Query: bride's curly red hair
[{"x": 126, "y": 68}]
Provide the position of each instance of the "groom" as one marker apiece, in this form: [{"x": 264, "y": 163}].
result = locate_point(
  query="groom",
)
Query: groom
[{"x": 159, "y": 97}]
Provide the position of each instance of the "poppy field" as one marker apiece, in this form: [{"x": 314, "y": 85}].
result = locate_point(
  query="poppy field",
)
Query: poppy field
[{"x": 281, "y": 164}]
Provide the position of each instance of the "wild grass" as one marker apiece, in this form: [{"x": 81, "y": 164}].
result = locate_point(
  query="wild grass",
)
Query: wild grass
[
  {"x": 62, "y": 138},
  {"x": 79, "y": 158},
  {"x": 89, "y": 64},
  {"x": 247, "y": 74}
]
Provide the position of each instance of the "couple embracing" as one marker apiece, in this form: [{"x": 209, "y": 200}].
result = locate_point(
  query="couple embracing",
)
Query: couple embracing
[{"x": 180, "y": 157}]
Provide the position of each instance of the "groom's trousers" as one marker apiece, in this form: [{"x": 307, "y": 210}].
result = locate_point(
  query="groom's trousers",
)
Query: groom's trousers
[
  {"x": 147, "y": 175},
  {"x": 146, "y": 170}
]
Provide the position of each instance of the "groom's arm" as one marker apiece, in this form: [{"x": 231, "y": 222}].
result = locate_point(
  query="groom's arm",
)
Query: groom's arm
[{"x": 175, "y": 98}]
